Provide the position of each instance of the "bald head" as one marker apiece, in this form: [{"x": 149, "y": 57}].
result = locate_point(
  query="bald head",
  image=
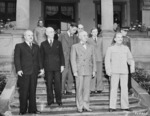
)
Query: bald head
[
  {"x": 27, "y": 32},
  {"x": 50, "y": 32},
  {"x": 83, "y": 36},
  {"x": 28, "y": 36}
]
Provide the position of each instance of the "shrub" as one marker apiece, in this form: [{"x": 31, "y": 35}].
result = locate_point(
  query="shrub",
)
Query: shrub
[
  {"x": 143, "y": 78},
  {"x": 2, "y": 82}
]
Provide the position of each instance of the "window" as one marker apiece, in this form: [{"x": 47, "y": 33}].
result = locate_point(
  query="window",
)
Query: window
[{"x": 8, "y": 10}]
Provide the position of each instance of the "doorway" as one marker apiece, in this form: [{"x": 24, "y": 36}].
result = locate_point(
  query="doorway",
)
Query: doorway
[{"x": 57, "y": 13}]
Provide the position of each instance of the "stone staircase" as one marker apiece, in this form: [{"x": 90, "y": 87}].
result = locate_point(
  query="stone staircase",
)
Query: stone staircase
[{"x": 99, "y": 103}]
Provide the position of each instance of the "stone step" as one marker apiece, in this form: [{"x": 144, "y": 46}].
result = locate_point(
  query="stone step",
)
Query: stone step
[
  {"x": 43, "y": 92},
  {"x": 138, "y": 111},
  {"x": 41, "y": 81},
  {"x": 38, "y": 96},
  {"x": 59, "y": 111},
  {"x": 71, "y": 103},
  {"x": 43, "y": 85},
  {"x": 70, "y": 99}
]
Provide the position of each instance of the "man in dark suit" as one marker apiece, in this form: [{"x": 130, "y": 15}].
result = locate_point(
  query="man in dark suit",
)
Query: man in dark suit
[
  {"x": 27, "y": 64},
  {"x": 68, "y": 39},
  {"x": 53, "y": 64}
]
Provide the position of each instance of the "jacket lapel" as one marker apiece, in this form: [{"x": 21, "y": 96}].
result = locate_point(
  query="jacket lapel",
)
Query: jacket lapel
[
  {"x": 67, "y": 37},
  {"x": 81, "y": 47},
  {"x": 54, "y": 43},
  {"x": 48, "y": 45},
  {"x": 27, "y": 47}
]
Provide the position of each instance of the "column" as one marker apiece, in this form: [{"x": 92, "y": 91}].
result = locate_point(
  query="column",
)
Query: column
[
  {"x": 107, "y": 15},
  {"x": 107, "y": 23},
  {"x": 146, "y": 13},
  {"x": 23, "y": 14}
]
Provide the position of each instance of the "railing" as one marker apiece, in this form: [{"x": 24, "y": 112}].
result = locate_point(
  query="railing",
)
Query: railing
[{"x": 7, "y": 94}]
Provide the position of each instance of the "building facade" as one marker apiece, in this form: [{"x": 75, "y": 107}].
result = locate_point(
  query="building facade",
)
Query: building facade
[{"x": 90, "y": 13}]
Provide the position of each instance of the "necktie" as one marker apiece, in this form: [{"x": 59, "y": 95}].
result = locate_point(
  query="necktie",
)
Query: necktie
[
  {"x": 84, "y": 45},
  {"x": 30, "y": 44},
  {"x": 95, "y": 40},
  {"x": 51, "y": 43}
]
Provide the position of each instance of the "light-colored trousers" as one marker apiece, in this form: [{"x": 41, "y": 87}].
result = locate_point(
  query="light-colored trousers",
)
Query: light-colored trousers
[
  {"x": 83, "y": 91},
  {"x": 97, "y": 81},
  {"x": 124, "y": 90},
  {"x": 67, "y": 79}
]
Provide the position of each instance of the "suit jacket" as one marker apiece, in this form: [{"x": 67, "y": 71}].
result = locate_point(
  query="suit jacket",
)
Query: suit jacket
[
  {"x": 98, "y": 46},
  {"x": 126, "y": 41},
  {"x": 52, "y": 57},
  {"x": 66, "y": 45},
  {"x": 83, "y": 60},
  {"x": 27, "y": 59}
]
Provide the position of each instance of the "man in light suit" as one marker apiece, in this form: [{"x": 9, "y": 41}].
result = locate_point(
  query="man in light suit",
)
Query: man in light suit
[
  {"x": 68, "y": 39},
  {"x": 84, "y": 67},
  {"x": 53, "y": 64},
  {"x": 97, "y": 82},
  {"x": 28, "y": 64}
]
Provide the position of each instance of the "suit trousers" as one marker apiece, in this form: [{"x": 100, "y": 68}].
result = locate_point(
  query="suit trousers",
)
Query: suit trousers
[
  {"x": 124, "y": 90},
  {"x": 97, "y": 81},
  {"x": 82, "y": 91},
  {"x": 129, "y": 78},
  {"x": 27, "y": 91},
  {"x": 53, "y": 77},
  {"x": 67, "y": 79}
]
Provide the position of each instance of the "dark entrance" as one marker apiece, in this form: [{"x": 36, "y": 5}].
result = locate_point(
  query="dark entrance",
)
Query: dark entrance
[
  {"x": 8, "y": 10},
  {"x": 56, "y": 13}
]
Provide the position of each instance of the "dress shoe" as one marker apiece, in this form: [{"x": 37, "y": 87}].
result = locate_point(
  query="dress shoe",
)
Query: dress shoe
[
  {"x": 99, "y": 92},
  {"x": 130, "y": 92},
  {"x": 92, "y": 92},
  {"x": 112, "y": 110},
  {"x": 35, "y": 112},
  {"x": 63, "y": 93},
  {"x": 22, "y": 113},
  {"x": 49, "y": 104},
  {"x": 128, "y": 110},
  {"x": 80, "y": 110},
  {"x": 59, "y": 104},
  {"x": 69, "y": 93},
  {"x": 87, "y": 109}
]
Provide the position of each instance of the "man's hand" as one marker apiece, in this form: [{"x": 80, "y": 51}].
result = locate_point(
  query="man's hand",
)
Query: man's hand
[
  {"x": 62, "y": 68},
  {"x": 93, "y": 74},
  {"x": 109, "y": 74},
  {"x": 20, "y": 73},
  {"x": 42, "y": 72},
  {"x": 76, "y": 74}
]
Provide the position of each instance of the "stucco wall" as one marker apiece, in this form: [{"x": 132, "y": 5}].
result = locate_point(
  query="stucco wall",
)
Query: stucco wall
[
  {"x": 86, "y": 13},
  {"x": 146, "y": 17},
  {"x": 35, "y": 12}
]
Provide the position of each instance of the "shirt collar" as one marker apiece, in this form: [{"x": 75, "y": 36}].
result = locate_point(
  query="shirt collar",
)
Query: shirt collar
[
  {"x": 28, "y": 43},
  {"x": 69, "y": 33},
  {"x": 94, "y": 38},
  {"x": 50, "y": 40},
  {"x": 82, "y": 43}
]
